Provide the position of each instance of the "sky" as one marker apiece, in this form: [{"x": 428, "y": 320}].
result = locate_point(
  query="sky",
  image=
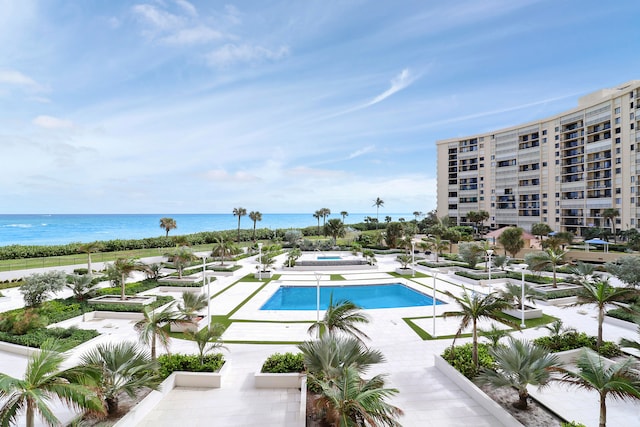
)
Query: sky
[{"x": 177, "y": 106}]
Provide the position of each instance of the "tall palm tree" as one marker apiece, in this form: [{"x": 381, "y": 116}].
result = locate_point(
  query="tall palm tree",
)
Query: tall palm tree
[
  {"x": 325, "y": 358},
  {"x": 378, "y": 203},
  {"x": 511, "y": 240},
  {"x": 317, "y": 215},
  {"x": 474, "y": 308},
  {"x": 255, "y": 216},
  {"x": 352, "y": 401},
  {"x": 344, "y": 214},
  {"x": 335, "y": 228},
  {"x": 547, "y": 258},
  {"x": 341, "y": 317},
  {"x": 519, "y": 364},
  {"x": 239, "y": 212},
  {"x": 89, "y": 248},
  {"x": 610, "y": 214},
  {"x": 151, "y": 328},
  {"x": 44, "y": 380},
  {"x": 417, "y": 214},
  {"x": 207, "y": 339},
  {"x": 182, "y": 257},
  {"x": 168, "y": 224},
  {"x": 601, "y": 294},
  {"x": 620, "y": 379},
  {"x": 325, "y": 213},
  {"x": 124, "y": 267},
  {"x": 125, "y": 367}
]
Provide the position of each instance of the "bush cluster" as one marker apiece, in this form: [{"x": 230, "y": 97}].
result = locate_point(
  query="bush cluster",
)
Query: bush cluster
[
  {"x": 279, "y": 363},
  {"x": 575, "y": 340},
  {"x": 170, "y": 363},
  {"x": 460, "y": 357},
  {"x": 67, "y": 338}
]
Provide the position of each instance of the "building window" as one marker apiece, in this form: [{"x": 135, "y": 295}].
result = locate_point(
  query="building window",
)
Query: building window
[
  {"x": 618, "y": 160},
  {"x": 544, "y": 131},
  {"x": 617, "y": 140},
  {"x": 617, "y": 130},
  {"x": 632, "y": 126},
  {"x": 617, "y": 110},
  {"x": 618, "y": 201},
  {"x": 618, "y": 170},
  {"x": 617, "y": 120},
  {"x": 618, "y": 150},
  {"x": 618, "y": 191}
]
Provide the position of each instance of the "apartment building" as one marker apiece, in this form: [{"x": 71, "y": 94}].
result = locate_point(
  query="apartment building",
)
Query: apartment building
[{"x": 562, "y": 170}]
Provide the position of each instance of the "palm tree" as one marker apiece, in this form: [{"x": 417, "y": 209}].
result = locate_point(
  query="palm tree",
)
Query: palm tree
[
  {"x": 222, "y": 248},
  {"x": 518, "y": 365},
  {"x": 417, "y": 214},
  {"x": 610, "y": 214},
  {"x": 207, "y": 339},
  {"x": 378, "y": 203},
  {"x": 325, "y": 358},
  {"x": 239, "y": 212},
  {"x": 181, "y": 258},
  {"x": 168, "y": 224},
  {"x": 344, "y": 214},
  {"x": 547, "y": 258},
  {"x": 125, "y": 367},
  {"x": 352, "y": 401},
  {"x": 494, "y": 334},
  {"x": 620, "y": 379},
  {"x": 317, "y": 215},
  {"x": 191, "y": 304},
  {"x": 474, "y": 308},
  {"x": 335, "y": 228},
  {"x": 601, "y": 294},
  {"x": 583, "y": 272},
  {"x": 255, "y": 216},
  {"x": 511, "y": 240},
  {"x": 631, "y": 344},
  {"x": 89, "y": 248},
  {"x": 43, "y": 381},
  {"x": 341, "y": 317},
  {"x": 151, "y": 327},
  {"x": 124, "y": 267},
  {"x": 325, "y": 213},
  {"x": 512, "y": 293},
  {"x": 82, "y": 286},
  {"x": 557, "y": 328}
]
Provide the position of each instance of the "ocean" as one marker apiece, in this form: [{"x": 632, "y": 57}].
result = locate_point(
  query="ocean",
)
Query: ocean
[{"x": 62, "y": 229}]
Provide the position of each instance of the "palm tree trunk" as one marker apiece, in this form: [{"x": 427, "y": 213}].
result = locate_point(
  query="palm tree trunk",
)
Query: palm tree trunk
[
  {"x": 89, "y": 264},
  {"x": 122, "y": 296},
  {"x": 522, "y": 399},
  {"x": 555, "y": 283},
  {"x": 238, "y": 228},
  {"x": 30, "y": 417},
  {"x": 600, "y": 320},
  {"x": 603, "y": 410},
  {"x": 475, "y": 344},
  {"x": 254, "y": 231},
  {"x": 153, "y": 347},
  {"x": 112, "y": 405}
]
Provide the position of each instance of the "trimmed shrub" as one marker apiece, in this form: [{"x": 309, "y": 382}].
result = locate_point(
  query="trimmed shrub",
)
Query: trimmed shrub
[
  {"x": 460, "y": 357},
  {"x": 67, "y": 338},
  {"x": 283, "y": 363},
  {"x": 575, "y": 340},
  {"x": 170, "y": 363}
]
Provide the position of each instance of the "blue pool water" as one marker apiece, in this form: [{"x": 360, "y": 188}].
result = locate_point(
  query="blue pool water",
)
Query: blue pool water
[
  {"x": 328, "y": 258},
  {"x": 366, "y": 296}
]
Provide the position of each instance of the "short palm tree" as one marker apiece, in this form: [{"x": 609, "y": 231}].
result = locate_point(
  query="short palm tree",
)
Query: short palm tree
[
  {"x": 222, "y": 248},
  {"x": 335, "y": 228},
  {"x": 519, "y": 364},
  {"x": 239, "y": 212},
  {"x": 191, "y": 304},
  {"x": 125, "y": 367},
  {"x": 341, "y": 317},
  {"x": 601, "y": 294},
  {"x": 350, "y": 401},
  {"x": 89, "y": 248},
  {"x": 255, "y": 216},
  {"x": 82, "y": 286},
  {"x": 474, "y": 308},
  {"x": 557, "y": 328},
  {"x": 494, "y": 334},
  {"x": 513, "y": 294},
  {"x": 151, "y": 327},
  {"x": 547, "y": 258},
  {"x": 181, "y": 257},
  {"x": 378, "y": 203},
  {"x": 168, "y": 224},
  {"x": 631, "y": 344},
  {"x": 326, "y": 357},
  {"x": 207, "y": 339},
  {"x": 124, "y": 267},
  {"x": 583, "y": 272},
  {"x": 621, "y": 379},
  {"x": 44, "y": 380}
]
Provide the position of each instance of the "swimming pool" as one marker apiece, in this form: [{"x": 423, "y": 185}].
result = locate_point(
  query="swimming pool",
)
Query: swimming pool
[
  {"x": 366, "y": 296},
  {"x": 328, "y": 258}
]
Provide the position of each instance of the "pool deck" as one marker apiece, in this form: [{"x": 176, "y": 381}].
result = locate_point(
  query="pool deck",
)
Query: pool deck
[{"x": 427, "y": 397}]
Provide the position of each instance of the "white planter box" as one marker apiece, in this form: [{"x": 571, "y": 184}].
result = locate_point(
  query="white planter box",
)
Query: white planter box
[
  {"x": 263, "y": 275},
  {"x": 405, "y": 271},
  {"x": 290, "y": 380},
  {"x": 191, "y": 289},
  {"x": 529, "y": 313},
  {"x": 558, "y": 301}
]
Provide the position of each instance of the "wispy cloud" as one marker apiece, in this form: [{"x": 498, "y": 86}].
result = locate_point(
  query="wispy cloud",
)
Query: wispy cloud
[
  {"x": 195, "y": 35},
  {"x": 361, "y": 152},
  {"x": 49, "y": 122},
  {"x": 187, "y": 7},
  {"x": 222, "y": 175},
  {"x": 157, "y": 18},
  {"x": 398, "y": 83},
  {"x": 16, "y": 78},
  {"x": 231, "y": 53}
]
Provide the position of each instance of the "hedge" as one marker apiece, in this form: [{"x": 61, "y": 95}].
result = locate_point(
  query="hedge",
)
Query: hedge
[
  {"x": 460, "y": 357},
  {"x": 170, "y": 363},
  {"x": 67, "y": 338},
  {"x": 575, "y": 340},
  {"x": 283, "y": 363}
]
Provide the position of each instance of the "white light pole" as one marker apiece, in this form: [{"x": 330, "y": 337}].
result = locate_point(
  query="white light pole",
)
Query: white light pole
[
  {"x": 489, "y": 253},
  {"x": 259, "y": 261},
  {"x": 434, "y": 273},
  {"x": 209, "y": 302},
  {"x": 204, "y": 274},
  {"x": 413, "y": 258},
  {"x": 318, "y": 276},
  {"x": 523, "y": 267}
]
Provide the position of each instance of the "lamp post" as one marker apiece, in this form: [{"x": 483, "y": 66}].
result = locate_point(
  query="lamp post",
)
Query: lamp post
[
  {"x": 318, "y": 276},
  {"x": 204, "y": 274},
  {"x": 413, "y": 258},
  {"x": 259, "y": 261},
  {"x": 435, "y": 274},
  {"x": 489, "y": 254},
  {"x": 523, "y": 267}
]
